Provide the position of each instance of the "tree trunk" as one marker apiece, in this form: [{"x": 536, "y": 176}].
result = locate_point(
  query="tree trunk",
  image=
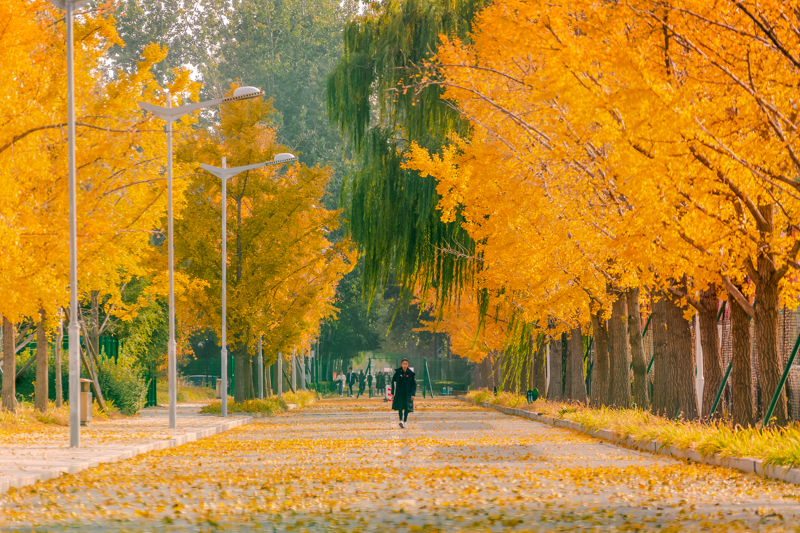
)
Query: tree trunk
[
  {"x": 40, "y": 388},
  {"x": 661, "y": 370},
  {"x": 268, "y": 381},
  {"x": 9, "y": 367},
  {"x": 238, "y": 371},
  {"x": 742, "y": 371},
  {"x": 681, "y": 395},
  {"x": 523, "y": 372},
  {"x": 619, "y": 388},
  {"x": 247, "y": 376},
  {"x": 709, "y": 341},
  {"x": 567, "y": 366},
  {"x": 601, "y": 364},
  {"x": 556, "y": 391},
  {"x": 58, "y": 346},
  {"x": 94, "y": 332},
  {"x": 638, "y": 359},
  {"x": 575, "y": 374},
  {"x": 538, "y": 370},
  {"x": 527, "y": 372}
]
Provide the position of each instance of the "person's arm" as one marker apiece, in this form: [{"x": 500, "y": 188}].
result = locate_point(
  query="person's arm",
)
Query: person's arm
[{"x": 413, "y": 385}]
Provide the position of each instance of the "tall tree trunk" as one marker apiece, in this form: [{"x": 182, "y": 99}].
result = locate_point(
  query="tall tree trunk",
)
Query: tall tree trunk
[
  {"x": 681, "y": 397},
  {"x": 530, "y": 377},
  {"x": 247, "y": 375},
  {"x": 742, "y": 371},
  {"x": 567, "y": 364},
  {"x": 268, "y": 380},
  {"x": 638, "y": 360},
  {"x": 538, "y": 369},
  {"x": 9, "y": 366},
  {"x": 57, "y": 350},
  {"x": 709, "y": 341},
  {"x": 600, "y": 370},
  {"x": 575, "y": 374},
  {"x": 658, "y": 326},
  {"x": 40, "y": 388},
  {"x": 556, "y": 391},
  {"x": 238, "y": 371},
  {"x": 619, "y": 393},
  {"x": 524, "y": 371},
  {"x": 94, "y": 332}
]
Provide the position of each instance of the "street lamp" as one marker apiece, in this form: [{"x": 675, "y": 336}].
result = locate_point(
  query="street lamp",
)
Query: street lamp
[
  {"x": 171, "y": 114},
  {"x": 74, "y": 331},
  {"x": 225, "y": 174}
]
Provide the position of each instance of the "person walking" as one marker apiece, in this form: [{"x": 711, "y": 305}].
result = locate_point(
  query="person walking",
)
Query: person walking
[
  {"x": 381, "y": 385},
  {"x": 351, "y": 380},
  {"x": 404, "y": 388},
  {"x": 362, "y": 382},
  {"x": 340, "y": 379}
]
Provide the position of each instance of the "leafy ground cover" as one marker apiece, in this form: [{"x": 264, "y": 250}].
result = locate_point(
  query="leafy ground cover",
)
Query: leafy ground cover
[
  {"x": 345, "y": 465},
  {"x": 773, "y": 445}
]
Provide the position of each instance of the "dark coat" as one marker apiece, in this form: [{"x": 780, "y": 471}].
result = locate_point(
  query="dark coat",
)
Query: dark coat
[{"x": 404, "y": 387}]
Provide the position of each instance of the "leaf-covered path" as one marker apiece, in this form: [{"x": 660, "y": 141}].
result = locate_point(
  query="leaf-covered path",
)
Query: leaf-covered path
[{"x": 344, "y": 465}]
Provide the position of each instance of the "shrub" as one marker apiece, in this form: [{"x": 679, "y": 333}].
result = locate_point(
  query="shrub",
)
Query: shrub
[
  {"x": 302, "y": 397},
  {"x": 267, "y": 405},
  {"x": 122, "y": 384}
]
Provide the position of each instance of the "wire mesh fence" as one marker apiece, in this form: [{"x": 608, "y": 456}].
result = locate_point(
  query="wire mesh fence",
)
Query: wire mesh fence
[{"x": 788, "y": 330}]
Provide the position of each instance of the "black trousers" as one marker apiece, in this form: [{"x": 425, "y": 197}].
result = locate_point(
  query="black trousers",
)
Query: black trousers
[{"x": 403, "y": 414}]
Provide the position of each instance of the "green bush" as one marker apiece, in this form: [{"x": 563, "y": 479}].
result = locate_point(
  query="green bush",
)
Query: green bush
[{"x": 123, "y": 383}]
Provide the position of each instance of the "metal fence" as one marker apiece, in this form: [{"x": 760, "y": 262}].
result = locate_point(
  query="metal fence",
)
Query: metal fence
[{"x": 788, "y": 330}]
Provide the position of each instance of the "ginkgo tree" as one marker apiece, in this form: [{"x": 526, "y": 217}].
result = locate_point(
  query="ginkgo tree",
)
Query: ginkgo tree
[
  {"x": 615, "y": 147},
  {"x": 120, "y": 154},
  {"x": 283, "y": 269}
]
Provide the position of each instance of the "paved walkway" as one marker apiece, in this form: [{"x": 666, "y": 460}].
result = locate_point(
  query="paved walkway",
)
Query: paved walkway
[
  {"x": 30, "y": 456},
  {"x": 344, "y": 465}
]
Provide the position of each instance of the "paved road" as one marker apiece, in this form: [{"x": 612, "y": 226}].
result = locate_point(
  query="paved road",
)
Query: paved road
[{"x": 344, "y": 465}]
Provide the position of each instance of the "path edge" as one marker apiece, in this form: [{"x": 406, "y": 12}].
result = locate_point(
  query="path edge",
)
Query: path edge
[
  {"x": 46, "y": 474},
  {"x": 747, "y": 465}
]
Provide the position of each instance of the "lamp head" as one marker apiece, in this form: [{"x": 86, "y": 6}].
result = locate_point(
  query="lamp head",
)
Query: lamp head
[
  {"x": 284, "y": 158},
  {"x": 244, "y": 93}
]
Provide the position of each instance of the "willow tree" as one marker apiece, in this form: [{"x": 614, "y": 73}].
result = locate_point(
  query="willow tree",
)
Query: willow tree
[{"x": 391, "y": 211}]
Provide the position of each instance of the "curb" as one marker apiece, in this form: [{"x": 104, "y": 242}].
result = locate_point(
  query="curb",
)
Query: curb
[
  {"x": 747, "y": 465},
  {"x": 23, "y": 478}
]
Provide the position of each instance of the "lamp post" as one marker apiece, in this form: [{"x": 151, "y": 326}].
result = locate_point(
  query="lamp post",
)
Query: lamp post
[
  {"x": 170, "y": 114},
  {"x": 74, "y": 331},
  {"x": 225, "y": 174}
]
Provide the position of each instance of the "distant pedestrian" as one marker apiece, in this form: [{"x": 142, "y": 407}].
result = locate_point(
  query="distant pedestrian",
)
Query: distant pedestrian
[
  {"x": 362, "y": 382},
  {"x": 352, "y": 377},
  {"x": 404, "y": 388},
  {"x": 340, "y": 380},
  {"x": 381, "y": 384}
]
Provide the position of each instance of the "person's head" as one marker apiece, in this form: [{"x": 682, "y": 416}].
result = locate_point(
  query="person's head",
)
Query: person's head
[{"x": 404, "y": 364}]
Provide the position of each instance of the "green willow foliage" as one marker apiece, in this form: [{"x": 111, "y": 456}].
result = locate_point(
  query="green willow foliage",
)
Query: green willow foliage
[{"x": 391, "y": 212}]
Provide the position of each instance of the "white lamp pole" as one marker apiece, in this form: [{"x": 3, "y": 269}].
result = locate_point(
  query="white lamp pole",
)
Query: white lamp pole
[
  {"x": 74, "y": 330},
  {"x": 171, "y": 114},
  {"x": 225, "y": 174}
]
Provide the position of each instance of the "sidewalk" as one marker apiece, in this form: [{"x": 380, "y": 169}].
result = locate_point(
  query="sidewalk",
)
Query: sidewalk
[{"x": 29, "y": 457}]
